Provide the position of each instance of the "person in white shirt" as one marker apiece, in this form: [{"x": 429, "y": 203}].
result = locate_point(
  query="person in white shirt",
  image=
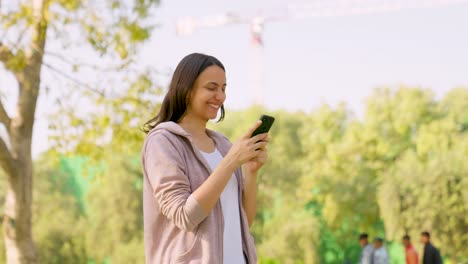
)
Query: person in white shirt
[
  {"x": 380, "y": 255},
  {"x": 367, "y": 249}
]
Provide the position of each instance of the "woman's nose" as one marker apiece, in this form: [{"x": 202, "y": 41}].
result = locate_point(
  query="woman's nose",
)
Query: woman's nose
[{"x": 220, "y": 96}]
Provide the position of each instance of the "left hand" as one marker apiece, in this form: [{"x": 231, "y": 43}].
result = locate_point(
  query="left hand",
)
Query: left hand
[{"x": 256, "y": 163}]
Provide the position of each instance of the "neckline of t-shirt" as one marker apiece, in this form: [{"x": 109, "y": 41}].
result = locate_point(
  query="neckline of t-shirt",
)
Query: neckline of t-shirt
[{"x": 209, "y": 153}]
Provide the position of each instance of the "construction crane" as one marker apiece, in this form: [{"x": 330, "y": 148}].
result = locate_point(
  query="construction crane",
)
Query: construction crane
[
  {"x": 187, "y": 25},
  {"x": 296, "y": 11}
]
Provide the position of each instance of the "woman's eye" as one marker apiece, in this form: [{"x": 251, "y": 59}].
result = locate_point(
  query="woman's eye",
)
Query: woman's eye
[{"x": 211, "y": 88}]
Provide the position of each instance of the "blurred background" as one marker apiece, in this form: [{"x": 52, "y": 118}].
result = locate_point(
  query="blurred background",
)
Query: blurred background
[{"x": 370, "y": 99}]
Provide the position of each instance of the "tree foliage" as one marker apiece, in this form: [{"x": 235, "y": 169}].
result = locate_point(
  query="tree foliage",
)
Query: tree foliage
[
  {"x": 400, "y": 169},
  {"x": 50, "y": 33}
]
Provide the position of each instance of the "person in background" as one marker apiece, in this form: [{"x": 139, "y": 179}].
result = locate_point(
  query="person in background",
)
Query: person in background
[
  {"x": 380, "y": 255},
  {"x": 367, "y": 249},
  {"x": 431, "y": 254},
  {"x": 410, "y": 252}
]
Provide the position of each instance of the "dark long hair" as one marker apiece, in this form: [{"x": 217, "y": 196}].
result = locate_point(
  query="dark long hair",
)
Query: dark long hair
[{"x": 174, "y": 105}]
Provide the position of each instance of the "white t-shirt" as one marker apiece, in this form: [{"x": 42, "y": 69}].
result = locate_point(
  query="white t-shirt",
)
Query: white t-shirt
[
  {"x": 232, "y": 239},
  {"x": 381, "y": 256}
]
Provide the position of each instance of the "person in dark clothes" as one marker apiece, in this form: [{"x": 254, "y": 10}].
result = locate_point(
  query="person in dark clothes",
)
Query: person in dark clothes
[{"x": 431, "y": 254}]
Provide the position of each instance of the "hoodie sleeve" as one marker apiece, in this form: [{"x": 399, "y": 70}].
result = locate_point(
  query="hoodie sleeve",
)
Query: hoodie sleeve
[{"x": 163, "y": 165}]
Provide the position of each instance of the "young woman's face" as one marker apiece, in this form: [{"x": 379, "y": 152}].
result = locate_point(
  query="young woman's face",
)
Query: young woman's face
[{"x": 208, "y": 94}]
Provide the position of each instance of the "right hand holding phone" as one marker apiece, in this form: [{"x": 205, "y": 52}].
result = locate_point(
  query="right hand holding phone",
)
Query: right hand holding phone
[{"x": 248, "y": 148}]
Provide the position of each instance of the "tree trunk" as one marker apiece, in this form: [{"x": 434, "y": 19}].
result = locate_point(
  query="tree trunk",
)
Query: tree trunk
[
  {"x": 17, "y": 216},
  {"x": 17, "y": 161},
  {"x": 17, "y": 229}
]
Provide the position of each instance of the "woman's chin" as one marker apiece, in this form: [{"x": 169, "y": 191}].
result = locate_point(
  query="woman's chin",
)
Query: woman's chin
[{"x": 212, "y": 115}]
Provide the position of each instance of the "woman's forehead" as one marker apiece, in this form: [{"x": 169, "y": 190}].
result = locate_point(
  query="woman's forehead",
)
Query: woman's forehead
[{"x": 213, "y": 74}]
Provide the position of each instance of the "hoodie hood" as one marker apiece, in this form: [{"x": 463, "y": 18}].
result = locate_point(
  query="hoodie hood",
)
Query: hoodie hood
[
  {"x": 176, "y": 129},
  {"x": 171, "y": 127}
]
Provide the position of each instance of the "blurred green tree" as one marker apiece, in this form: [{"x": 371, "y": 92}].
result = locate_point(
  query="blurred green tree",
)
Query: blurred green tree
[
  {"x": 423, "y": 189},
  {"x": 114, "y": 219},
  {"x": 330, "y": 176},
  {"x": 57, "y": 226},
  {"x": 283, "y": 228},
  {"x": 110, "y": 140}
]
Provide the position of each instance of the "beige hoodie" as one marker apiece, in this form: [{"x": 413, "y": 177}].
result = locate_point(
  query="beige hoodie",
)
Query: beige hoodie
[{"x": 176, "y": 228}]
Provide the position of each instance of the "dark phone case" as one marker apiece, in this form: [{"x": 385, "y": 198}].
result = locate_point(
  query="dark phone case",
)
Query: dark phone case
[{"x": 267, "y": 122}]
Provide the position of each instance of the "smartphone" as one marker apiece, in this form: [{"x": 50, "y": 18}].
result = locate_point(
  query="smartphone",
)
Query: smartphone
[{"x": 267, "y": 122}]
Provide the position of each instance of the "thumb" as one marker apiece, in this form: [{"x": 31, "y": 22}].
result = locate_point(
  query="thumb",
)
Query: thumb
[{"x": 249, "y": 132}]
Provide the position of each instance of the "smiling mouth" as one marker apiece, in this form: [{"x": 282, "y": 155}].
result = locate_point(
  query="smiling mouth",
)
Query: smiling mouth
[{"x": 214, "y": 106}]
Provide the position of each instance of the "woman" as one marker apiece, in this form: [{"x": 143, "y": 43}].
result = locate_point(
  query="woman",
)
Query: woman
[{"x": 198, "y": 203}]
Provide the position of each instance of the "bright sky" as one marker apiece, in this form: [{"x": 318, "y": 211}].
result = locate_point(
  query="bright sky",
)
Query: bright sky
[
  {"x": 310, "y": 61},
  {"x": 317, "y": 60}
]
